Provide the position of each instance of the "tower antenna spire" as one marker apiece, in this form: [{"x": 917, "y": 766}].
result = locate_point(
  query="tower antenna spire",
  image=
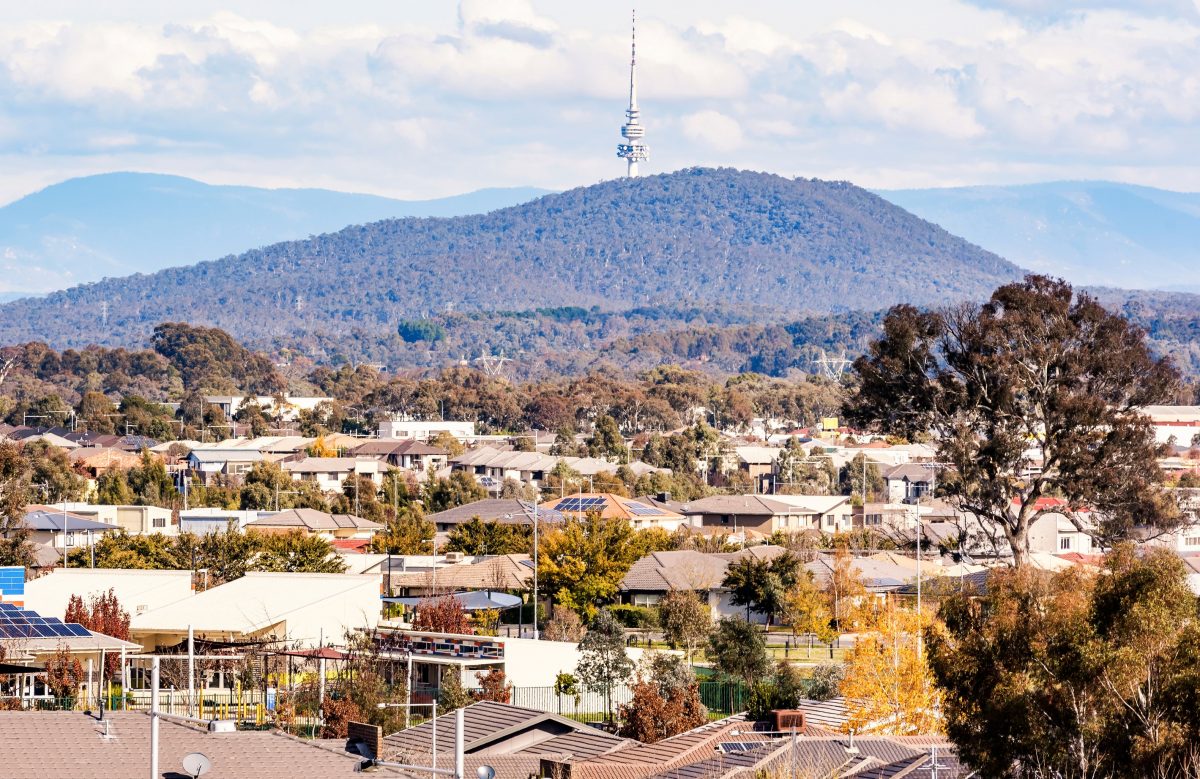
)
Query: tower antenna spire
[{"x": 633, "y": 150}]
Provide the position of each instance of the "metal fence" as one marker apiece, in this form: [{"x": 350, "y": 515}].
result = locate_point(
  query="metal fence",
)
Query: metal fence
[{"x": 258, "y": 707}]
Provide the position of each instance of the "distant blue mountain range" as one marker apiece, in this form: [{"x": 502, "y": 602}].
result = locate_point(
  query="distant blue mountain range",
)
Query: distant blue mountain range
[
  {"x": 117, "y": 224},
  {"x": 1088, "y": 232}
]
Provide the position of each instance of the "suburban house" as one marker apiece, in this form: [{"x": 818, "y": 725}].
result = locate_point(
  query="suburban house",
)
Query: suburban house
[
  {"x": 756, "y": 461},
  {"x": 209, "y": 519},
  {"x": 96, "y": 462},
  {"x": 423, "y": 430},
  {"x": 408, "y": 454},
  {"x": 653, "y": 576},
  {"x": 62, "y": 530},
  {"x": 746, "y": 516},
  {"x": 492, "y": 466},
  {"x": 905, "y": 483},
  {"x": 135, "y": 520},
  {"x": 316, "y": 523},
  {"x": 328, "y": 473},
  {"x": 511, "y": 739},
  {"x": 887, "y": 517},
  {"x": 287, "y": 408},
  {"x": 826, "y": 513},
  {"x": 641, "y": 516},
  {"x": 505, "y": 511},
  {"x": 208, "y": 462},
  {"x": 504, "y": 573}
]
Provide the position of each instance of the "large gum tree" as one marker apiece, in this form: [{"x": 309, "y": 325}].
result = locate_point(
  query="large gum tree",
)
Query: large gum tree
[{"x": 1034, "y": 394}]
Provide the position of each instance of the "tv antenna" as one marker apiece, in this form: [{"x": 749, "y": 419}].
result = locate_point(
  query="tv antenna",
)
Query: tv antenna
[
  {"x": 832, "y": 367},
  {"x": 196, "y": 765}
]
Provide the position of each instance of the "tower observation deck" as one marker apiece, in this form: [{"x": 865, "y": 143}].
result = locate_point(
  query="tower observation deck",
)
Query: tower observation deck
[{"x": 633, "y": 150}]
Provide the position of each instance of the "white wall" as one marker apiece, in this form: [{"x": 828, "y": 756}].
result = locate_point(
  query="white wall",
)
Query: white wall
[
  {"x": 530, "y": 663},
  {"x": 136, "y": 590}
]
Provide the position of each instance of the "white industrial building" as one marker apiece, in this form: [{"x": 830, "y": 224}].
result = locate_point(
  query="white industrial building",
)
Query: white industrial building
[
  {"x": 137, "y": 591},
  {"x": 300, "y": 608},
  {"x": 423, "y": 430}
]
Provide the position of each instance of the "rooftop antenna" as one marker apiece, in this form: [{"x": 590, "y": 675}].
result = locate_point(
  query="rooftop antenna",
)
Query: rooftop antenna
[{"x": 196, "y": 764}]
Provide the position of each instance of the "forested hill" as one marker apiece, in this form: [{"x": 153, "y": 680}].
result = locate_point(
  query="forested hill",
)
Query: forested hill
[{"x": 701, "y": 237}]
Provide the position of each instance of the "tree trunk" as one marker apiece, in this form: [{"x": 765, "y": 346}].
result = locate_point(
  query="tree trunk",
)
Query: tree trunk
[{"x": 1018, "y": 541}]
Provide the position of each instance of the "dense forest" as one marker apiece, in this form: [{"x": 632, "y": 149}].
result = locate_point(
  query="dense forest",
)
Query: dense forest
[
  {"x": 106, "y": 389},
  {"x": 770, "y": 248}
]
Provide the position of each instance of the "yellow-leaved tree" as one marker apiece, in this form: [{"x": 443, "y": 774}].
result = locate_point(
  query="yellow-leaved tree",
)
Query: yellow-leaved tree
[
  {"x": 887, "y": 685},
  {"x": 806, "y": 610}
]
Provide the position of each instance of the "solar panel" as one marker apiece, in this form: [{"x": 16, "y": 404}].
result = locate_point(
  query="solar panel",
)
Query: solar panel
[
  {"x": 738, "y": 746},
  {"x": 16, "y": 622},
  {"x": 642, "y": 510}
]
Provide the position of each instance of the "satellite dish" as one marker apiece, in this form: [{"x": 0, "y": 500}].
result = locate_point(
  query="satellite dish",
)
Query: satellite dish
[
  {"x": 196, "y": 765},
  {"x": 485, "y": 772}
]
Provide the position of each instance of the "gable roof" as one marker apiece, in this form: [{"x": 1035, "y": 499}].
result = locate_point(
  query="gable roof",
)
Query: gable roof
[
  {"x": 313, "y": 519},
  {"x": 507, "y": 572},
  {"x": 43, "y": 518},
  {"x": 53, "y": 744},
  {"x": 742, "y": 505},
  {"x": 506, "y": 511},
  {"x": 611, "y": 506},
  {"x": 687, "y": 569},
  {"x": 486, "y": 724}
]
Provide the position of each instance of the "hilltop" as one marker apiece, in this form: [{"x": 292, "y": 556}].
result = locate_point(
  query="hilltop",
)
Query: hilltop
[
  {"x": 763, "y": 247},
  {"x": 1088, "y": 232},
  {"x": 114, "y": 224}
]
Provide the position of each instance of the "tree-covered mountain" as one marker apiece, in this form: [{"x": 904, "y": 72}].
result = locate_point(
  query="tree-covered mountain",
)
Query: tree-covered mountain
[
  {"x": 1088, "y": 232},
  {"x": 762, "y": 245},
  {"x": 115, "y": 224}
]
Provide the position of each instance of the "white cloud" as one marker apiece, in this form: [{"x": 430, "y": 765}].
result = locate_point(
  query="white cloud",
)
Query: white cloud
[
  {"x": 507, "y": 92},
  {"x": 713, "y": 129}
]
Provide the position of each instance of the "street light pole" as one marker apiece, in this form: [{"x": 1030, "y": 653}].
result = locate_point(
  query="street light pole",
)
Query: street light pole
[{"x": 536, "y": 494}]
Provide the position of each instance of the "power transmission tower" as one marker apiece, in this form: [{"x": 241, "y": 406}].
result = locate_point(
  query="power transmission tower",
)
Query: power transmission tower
[
  {"x": 832, "y": 367},
  {"x": 491, "y": 364}
]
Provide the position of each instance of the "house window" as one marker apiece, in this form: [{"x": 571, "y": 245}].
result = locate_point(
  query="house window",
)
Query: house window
[
  {"x": 1192, "y": 541},
  {"x": 70, "y": 539},
  {"x": 1064, "y": 543},
  {"x": 874, "y": 519},
  {"x": 828, "y": 521},
  {"x": 158, "y": 522}
]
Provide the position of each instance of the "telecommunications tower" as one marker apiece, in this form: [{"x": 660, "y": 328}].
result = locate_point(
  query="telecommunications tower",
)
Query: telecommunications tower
[{"x": 633, "y": 150}]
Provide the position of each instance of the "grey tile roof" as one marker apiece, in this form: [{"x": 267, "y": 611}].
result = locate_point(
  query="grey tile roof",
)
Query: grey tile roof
[
  {"x": 503, "y": 510},
  {"x": 487, "y": 725},
  {"x": 70, "y": 745},
  {"x": 743, "y": 505}
]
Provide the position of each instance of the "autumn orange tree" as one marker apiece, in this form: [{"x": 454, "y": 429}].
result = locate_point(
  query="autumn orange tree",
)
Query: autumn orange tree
[
  {"x": 442, "y": 615},
  {"x": 666, "y": 700},
  {"x": 102, "y": 613},
  {"x": 64, "y": 674},
  {"x": 888, "y": 685},
  {"x": 493, "y": 686}
]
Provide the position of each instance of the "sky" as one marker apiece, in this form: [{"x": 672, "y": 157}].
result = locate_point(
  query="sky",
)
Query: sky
[{"x": 426, "y": 99}]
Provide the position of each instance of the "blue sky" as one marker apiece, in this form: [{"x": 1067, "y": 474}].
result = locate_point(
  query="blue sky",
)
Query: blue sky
[{"x": 419, "y": 99}]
